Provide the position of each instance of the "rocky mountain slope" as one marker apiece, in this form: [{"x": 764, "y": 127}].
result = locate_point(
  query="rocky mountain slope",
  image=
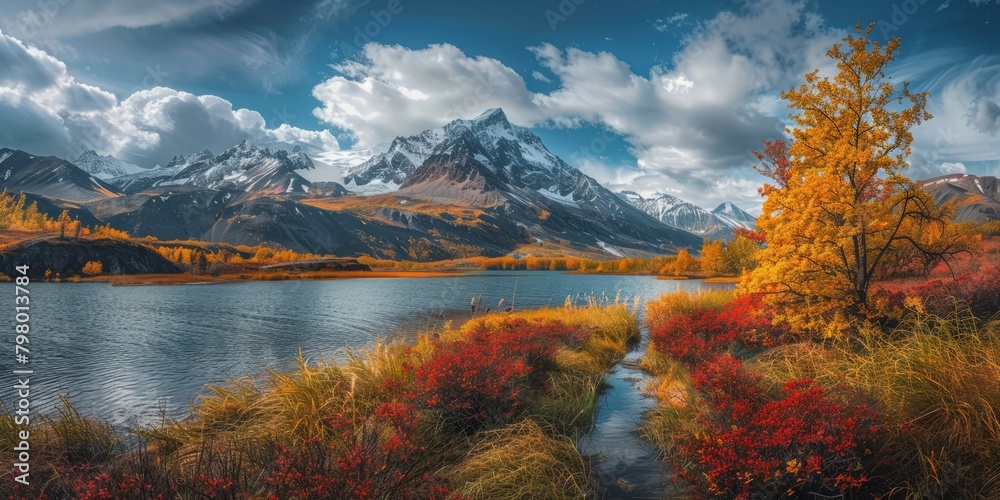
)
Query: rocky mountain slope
[
  {"x": 976, "y": 198},
  {"x": 675, "y": 212},
  {"x": 51, "y": 177},
  {"x": 490, "y": 164}
]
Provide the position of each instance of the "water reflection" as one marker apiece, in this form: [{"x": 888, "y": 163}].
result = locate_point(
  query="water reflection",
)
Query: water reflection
[{"x": 128, "y": 354}]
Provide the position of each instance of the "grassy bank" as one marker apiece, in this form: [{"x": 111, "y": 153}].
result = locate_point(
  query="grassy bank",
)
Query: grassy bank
[
  {"x": 745, "y": 409},
  {"x": 487, "y": 409}
]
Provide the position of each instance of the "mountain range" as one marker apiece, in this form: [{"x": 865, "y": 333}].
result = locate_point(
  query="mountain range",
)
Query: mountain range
[
  {"x": 105, "y": 167},
  {"x": 716, "y": 224},
  {"x": 473, "y": 187}
]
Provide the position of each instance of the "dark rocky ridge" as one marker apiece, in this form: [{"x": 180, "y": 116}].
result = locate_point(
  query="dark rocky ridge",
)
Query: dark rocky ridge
[
  {"x": 68, "y": 256},
  {"x": 335, "y": 264}
]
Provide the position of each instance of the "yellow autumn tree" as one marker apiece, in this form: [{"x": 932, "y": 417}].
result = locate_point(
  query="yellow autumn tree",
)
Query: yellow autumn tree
[
  {"x": 713, "y": 262},
  {"x": 64, "y": 221},
  {"x": 683, "y": 265},
  {"x": 840, "y": 213}
]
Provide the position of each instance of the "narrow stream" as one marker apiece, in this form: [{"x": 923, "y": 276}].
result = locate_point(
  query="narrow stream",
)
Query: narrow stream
[{"x": 625, "y": 466}]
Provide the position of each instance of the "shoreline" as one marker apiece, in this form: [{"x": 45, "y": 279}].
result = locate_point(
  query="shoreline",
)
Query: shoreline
[{"x": 192, "y": 279}]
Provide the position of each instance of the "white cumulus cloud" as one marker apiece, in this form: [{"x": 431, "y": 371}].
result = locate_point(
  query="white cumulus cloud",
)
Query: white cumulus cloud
[
  {"x": 57, "y": 115},
  {"x": 692, "y": 121}
]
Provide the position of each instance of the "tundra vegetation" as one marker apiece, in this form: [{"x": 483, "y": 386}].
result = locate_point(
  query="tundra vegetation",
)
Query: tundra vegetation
[
  {"x": 489, "y": 409},
  {"x": 860, "y": 356}
]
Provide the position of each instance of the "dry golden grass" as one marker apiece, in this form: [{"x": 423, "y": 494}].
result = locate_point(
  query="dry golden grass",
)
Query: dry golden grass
[
  {"x": 507, "y": 464},
  {"x": 683, "y": 301},
  {"x": 367, "y": 205}
]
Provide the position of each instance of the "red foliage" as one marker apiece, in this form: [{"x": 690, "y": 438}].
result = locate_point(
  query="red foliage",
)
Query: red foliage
[
  {"x": 106, "y": 485},
  {"x": 807, "y": 439},
  {"x": 755, "y": 444},
  {"x": 536, "y": 342},
  {"x": 379, "y": 458},
  {"x": 750, "y": 234},
  {"x": 775, "y": 162},
  {"x": 697, "y": 337},
  {"x": 692, "y": 338},
  {"x": 978, "y": 290},
  {"x": 484, "y": 380},
  {"x": 474, "y": 384}
]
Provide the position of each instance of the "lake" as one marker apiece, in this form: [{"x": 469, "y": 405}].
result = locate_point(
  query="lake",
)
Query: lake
[{"x": 133, "y": 354}]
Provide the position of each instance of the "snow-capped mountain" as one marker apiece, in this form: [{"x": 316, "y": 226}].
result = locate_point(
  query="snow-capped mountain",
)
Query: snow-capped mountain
[
  {"x": 105, "y": 167},
  {"x": 507, "y": 147},
  {"x": 243, "y": 167},
  {"x": 678, "y": 213},
  {"x": 51, "y": 177},
  {"x": 505, "y": 170},
  {"x": 734, "y": 216}
]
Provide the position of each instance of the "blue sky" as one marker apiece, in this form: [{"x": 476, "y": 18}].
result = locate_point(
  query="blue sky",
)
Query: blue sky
[{"x": 643, "y": 95}]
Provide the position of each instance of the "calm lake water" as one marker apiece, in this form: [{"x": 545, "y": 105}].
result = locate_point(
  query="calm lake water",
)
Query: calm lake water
[{"x": 132, "y": 354}]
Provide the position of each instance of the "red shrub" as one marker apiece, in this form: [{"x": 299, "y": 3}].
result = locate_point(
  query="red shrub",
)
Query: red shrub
[
  {"x": 805, "y": 440},
  {"x": 700, "y": 336},
  {"x": 475, "y": 385},
  {"x": 732, "y": 392},
  {"x": 692, "y": 338},
  {"x": 536, "y": 342},
  {"x": 483, "y": 381},
  {"x": 978, "y": 290},
  {"x": 748, "y": 322},
  {"x": 378, "y": 458}
]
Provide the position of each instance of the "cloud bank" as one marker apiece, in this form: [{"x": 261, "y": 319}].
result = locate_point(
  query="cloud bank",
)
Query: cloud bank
[{"x": 57, "y": 115}]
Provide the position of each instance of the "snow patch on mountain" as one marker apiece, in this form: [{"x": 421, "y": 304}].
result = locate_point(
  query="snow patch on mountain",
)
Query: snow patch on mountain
[
  {"x": 675, "y": 212},
  {"x": 554, "y": 196},
  {"x": 504, "y": 146},
  {"x": 105, "y": 167}
]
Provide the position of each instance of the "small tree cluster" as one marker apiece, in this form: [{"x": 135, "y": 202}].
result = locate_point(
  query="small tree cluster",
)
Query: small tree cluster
[
  {"x": 17, "y": 213},
  {"x": 93, "y": 268}
]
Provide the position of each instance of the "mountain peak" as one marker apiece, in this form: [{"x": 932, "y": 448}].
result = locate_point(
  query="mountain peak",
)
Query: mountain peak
[
  {"x": 731, "y": 213},
  {"x": 490, "y": 138},
  {"x": 105, "y": 167},
  {"x": 491, "y": 115}
]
